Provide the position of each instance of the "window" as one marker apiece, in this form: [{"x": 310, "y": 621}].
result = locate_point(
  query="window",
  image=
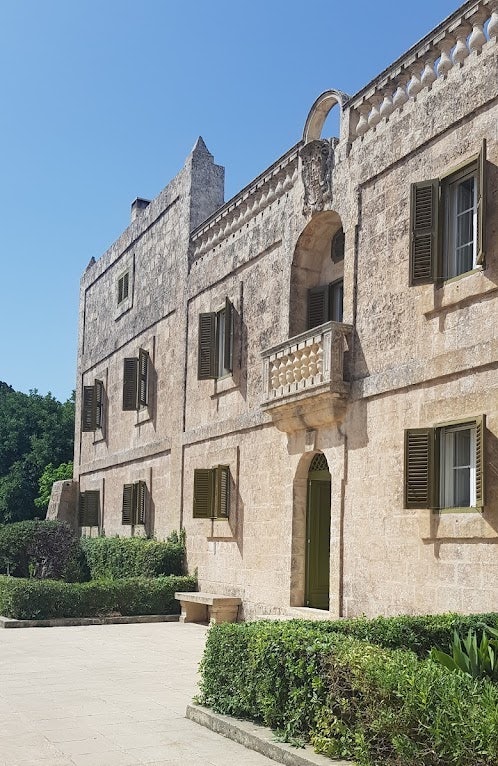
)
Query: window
[
  {"x": 88, "y": 511},
  {"x": 444, "y": 465},
  {"x": 447, "y": 223},
  {"x": 325, "y": 303},
  {"x": 337, "y": 248},
  {"x": 133, "y": 509},
  {"x": 136, "y": 381},
  {"x": 93, "y": 407},
  {"x": 123, "y": 287},
  {"x": 215, "y": 349},
  {"x": 212, "y": 492}
]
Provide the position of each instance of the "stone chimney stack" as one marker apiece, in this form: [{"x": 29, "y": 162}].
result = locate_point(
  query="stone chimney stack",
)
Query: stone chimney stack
[{"x": 137, "y": 206}]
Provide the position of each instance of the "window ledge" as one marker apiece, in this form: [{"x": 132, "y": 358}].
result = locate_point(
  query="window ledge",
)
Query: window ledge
[
  {"x": 98, "y": 436},
  {"x": 143, "y": 416},
  {"x": 455, "y": 524},
  {"x": 466, "y": 287},
  {"x": 223, "y": 385}
]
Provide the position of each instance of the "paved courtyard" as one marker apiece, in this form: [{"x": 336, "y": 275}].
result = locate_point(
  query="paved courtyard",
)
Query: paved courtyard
[{"x": 110, "y": 695}]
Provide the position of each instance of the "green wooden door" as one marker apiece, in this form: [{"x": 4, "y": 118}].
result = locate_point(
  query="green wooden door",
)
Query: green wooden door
[{"x": 318, "y": 543}]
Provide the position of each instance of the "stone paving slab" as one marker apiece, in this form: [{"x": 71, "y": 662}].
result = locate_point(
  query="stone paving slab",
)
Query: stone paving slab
[
  {"x": 107, "y": 695},
  {"x": 59, "y": 622}
]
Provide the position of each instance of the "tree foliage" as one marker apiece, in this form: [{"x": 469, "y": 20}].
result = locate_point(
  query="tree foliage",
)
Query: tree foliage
[
  {"x": 50, "y": 474},
  {"x": 35, "y": 430}
]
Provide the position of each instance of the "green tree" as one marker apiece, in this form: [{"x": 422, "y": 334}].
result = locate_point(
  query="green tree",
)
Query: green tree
[
  {"x": 35, "y": 430},
  {"x": 50, "y": 474}
]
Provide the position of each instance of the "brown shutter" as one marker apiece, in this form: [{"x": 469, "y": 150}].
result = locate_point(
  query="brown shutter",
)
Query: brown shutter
[
  {"x": 127, "y": 508},
  {"x": 206, "y": 358},
  {"x": 143, "y": 378},
  {"x": 419, "y": 468},
  {"x": 481, "y": 206},
  {"x": 480, "y": 455},
  {"x": 140, "y": 502},
  {"x": 203, "y": 493},
  {"x": 88, "y": 515},
  {"x": 99, "y": 403},
  {"x": 424, "y": 231},
  {"x": 318, "y": 305},
  {"x": 228, "y": 349},
  {"x": 88, "y": 409},
  {"x": 222, "y": 491},
  {"x": 130, "y": 383}
]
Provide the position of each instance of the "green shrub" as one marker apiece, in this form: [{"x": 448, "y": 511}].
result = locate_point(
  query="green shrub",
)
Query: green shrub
[
  {"x": 45, "y": 599},
  {"x": 43, "y": 549},
  {"x": 352, "y": 699},
  {"x": 118, "y": 557},
  {"x": 476, "y": 658}
]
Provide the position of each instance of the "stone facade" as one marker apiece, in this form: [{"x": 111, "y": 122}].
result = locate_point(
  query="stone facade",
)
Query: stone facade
[{"x": 402, "y": 353}]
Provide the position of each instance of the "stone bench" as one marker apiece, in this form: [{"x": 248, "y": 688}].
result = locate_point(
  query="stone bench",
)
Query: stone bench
[{"x": 208, "y": 607}]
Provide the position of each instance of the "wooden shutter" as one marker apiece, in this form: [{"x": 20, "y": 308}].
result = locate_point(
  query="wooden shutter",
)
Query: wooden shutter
[
  {"x": 127, "y": 508},
  {"x": 424, "y": 231},
  {"x": 206, "y": 358},
  {"x": 318, "y": 305},
  {"x": 203, "y": 493},
  {"x": 143, "y": 378},
  {"x": 228, "y": 349},
  {"x": 140, "y": 502},
  {"x": 88, "y": 515},
  {"x": 419, "y": 468},
  {"x": 480, "y": 447},
  {"x": 99, "y": 403},
  {"x": 130, "y": 383},
  {"x": 88, "y": 409},
  {"x": 481, "y": 205},
  {"x": 222, "y": 491}
]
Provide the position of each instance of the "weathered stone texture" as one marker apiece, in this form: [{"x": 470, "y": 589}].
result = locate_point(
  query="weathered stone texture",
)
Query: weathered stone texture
[{"x": 406, "y": 357}]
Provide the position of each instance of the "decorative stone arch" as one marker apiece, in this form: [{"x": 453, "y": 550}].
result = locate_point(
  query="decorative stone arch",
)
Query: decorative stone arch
[
  {"x": 299, "y": 510},
  {"x": 319, "y": 111},
  {"x": 312, "y": 265}
]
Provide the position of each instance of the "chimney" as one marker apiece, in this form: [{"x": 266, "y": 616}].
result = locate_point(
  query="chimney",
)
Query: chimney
[{"x": 137, "y": 206}]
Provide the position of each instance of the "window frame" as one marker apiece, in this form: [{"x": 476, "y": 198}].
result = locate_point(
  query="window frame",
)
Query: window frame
[
  {"x": 136, "y": 379},
  {"x": 433, "y": 220},
  {"x": 92, "y": 407},
  {"x": 321, "y": 304},
  {"x": 123, "y": 279},
  {"x": 426, "y": 471},
  {"x": 134, "y": 504},
  {"x": 215, "y": 344},
  {"x": 89, "y": 508},
  {"x": 211, "y": 496}
]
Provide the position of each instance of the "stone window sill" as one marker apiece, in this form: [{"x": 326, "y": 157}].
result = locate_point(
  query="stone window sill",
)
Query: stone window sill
[
  {"x": 449, "y": 295},
  {"x": 455, "y": 524}
]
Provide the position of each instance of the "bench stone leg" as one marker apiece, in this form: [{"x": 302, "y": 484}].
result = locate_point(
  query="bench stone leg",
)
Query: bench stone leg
[
  {"x": 219, "y": 614},
  {"x": 193, "y": 612}
]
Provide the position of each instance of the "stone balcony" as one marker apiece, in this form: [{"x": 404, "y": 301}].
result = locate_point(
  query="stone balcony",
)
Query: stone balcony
[{"x": 304, "y": 384}]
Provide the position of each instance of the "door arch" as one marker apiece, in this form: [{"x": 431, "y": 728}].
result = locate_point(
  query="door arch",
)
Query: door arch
[{"x": 318, "y": 534}]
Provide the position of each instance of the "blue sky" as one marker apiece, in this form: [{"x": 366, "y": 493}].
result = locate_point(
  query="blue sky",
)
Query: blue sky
[{"x": 102, "y": 100}]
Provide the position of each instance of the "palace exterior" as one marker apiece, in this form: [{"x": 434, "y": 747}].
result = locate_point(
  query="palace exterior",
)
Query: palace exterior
[{"x": 305, "y": 377}]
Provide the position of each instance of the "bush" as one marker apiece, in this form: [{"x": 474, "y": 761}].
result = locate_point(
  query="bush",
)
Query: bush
[
  {"x": 42, "y": 549},
  {"x": 118, "y": 557},
  {"x": 45, "y": 599},
  {"x": 352, "y": 699}
]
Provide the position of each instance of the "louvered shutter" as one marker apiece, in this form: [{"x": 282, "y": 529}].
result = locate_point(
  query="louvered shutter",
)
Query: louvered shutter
[
  {"x": 143, "y": 378},
  {"x": 481, "y": 206},
  {"x": 88, "y": 409},
  {"x": 140, "y": 502},
  {"x": 99, "y": 403},
  {"x": 222, "y": 492},
  {"x": 127, "y": 508},
  {"x": 88, "y": 515},
  {"x": 228, "y": 348},
  {"x": 480, "y": 447},
  {"x": 130, "y": 383},
  {"x": 424, "y": 231},
  {"x": 206, "y": 358},
  {"x": 419, "y": 468},
  {"x": 318, "y": 305},
  {"x": 203, "y": 493}
]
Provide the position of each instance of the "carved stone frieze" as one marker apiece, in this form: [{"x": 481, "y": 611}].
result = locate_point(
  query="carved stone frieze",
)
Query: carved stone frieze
[{"x": 317, "y": 161}]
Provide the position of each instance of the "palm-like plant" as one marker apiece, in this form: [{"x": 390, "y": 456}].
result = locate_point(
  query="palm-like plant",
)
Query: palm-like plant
[{"x": 478, "y": 659}]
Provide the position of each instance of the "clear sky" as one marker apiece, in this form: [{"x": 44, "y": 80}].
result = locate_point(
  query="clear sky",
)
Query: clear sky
[{"x": 102, "y": 100}]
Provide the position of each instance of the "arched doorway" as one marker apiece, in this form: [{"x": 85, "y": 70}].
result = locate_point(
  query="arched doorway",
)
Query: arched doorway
[{"x": 318, "y": 534}]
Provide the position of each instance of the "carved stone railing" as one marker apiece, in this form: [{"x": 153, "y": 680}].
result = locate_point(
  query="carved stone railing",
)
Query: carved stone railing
[
  {"x": 308, "y": 362},
  {"x": 265, "y": 189},
  {"x": 466, "y": 31}
]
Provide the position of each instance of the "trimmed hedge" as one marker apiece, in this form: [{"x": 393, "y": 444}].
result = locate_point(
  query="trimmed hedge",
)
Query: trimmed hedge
[
  {"x": 45, "y": 599},
  {"x": 118, "y": 557},
  {"x": 350, "y": 698},
  {"x": 44, "y": 549},
  {"x": 419, "y": 634}
]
